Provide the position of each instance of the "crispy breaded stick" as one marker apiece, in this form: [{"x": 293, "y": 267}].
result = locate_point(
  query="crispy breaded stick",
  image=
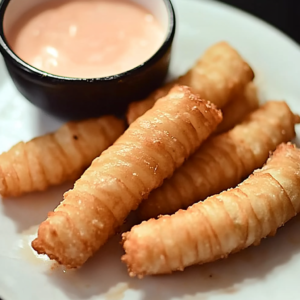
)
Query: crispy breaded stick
[
  {"x": 222, "y": 224},
  {"x": 218, "y": 76},
  {"x": 223, "y": 161},
  {"x": 54, "y": 158},
  {"x": 116, "y": 182},
  {"x": 238, "y": 108}
]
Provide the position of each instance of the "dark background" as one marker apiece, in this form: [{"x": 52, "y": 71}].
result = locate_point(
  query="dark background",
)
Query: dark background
[{"x": 283, "y": 14}]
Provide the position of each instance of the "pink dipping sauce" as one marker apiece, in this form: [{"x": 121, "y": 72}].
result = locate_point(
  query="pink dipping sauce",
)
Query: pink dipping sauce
[{"x": 86, "y": 39}]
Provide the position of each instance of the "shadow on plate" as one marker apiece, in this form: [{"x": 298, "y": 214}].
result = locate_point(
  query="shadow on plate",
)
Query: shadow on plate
[
  {"x": 46, "y": 123},
  {"x": 106, "y": 277},
  {"x": 31, "y": 209},
  {"x": 3, "y": 73}
]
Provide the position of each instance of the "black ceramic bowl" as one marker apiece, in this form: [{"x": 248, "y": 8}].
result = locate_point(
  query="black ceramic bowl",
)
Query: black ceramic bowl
[{"x": 75, "y": 98}]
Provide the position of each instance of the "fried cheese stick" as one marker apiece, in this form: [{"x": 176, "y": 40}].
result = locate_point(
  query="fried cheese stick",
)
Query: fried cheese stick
[
  {"x": 116, "y": 182},
  {"x": 56, "y": 157},
  {"x": 238, "y": 108},
  {"x": 218, "y": 76},
  {"x": 223, "y": 161},
  {"x": 222, "y": 224}
]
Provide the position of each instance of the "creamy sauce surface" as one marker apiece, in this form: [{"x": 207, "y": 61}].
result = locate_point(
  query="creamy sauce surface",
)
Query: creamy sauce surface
[{"x": 86, "y": 38}]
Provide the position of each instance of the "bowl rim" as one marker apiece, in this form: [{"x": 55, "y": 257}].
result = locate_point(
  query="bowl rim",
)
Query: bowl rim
[{"x": 8, "y": 53}]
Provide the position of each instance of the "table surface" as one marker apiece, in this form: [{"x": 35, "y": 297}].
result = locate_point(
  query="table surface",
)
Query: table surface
[{"x": 283, "y": 14}]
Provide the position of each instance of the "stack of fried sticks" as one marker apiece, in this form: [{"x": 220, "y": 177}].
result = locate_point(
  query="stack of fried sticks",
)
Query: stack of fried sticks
[{"x": 188, "y": 145}]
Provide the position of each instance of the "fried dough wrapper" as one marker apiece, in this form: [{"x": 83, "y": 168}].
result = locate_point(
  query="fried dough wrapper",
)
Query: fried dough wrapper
[
  {"x": 116, "y": 182},
  {"x": 222, "y": 224},
  {"x": 218, "y": 76},
  {"x": 238, "y": 108},
  {"x": 56, "y": 157},
  {"x": 223, "y": 161}
]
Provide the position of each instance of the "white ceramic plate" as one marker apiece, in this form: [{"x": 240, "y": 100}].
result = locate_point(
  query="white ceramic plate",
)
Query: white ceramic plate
[{"x": 269, "y": 271}]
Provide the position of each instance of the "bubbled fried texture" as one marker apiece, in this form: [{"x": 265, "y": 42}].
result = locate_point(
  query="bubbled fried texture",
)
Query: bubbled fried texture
[
  {"x": 222, "y": 224},
  {"x": 223, "y": 161},
  {"x": 218, "y": 76},
  {"x": 238, "y": 108},
  {"x": 117, "y": 181},
  {"x": 54, "y": 158}
]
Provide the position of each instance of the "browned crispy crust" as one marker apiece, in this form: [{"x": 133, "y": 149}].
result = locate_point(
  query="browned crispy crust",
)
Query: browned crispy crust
[
  {"x": 218, "y": 76},
  {"x": 223, "y": 161},
  {"x": 238, "y": 108},
  {"x": 116, "y": 182},
  {"x": 54, "y": 158},
  {"x": 222, "y": 224}
]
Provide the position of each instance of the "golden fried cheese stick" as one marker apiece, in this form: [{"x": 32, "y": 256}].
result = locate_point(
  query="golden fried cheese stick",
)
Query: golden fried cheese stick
[
  {"x": 54, "y": 158},
  {"x": 222, "y": 224},
  {"x": 116, "y": 182},
  {"x": 218, "y": 76},
  {"x": 223, "y": 161},
  {"x": 238, "y": 108}
]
